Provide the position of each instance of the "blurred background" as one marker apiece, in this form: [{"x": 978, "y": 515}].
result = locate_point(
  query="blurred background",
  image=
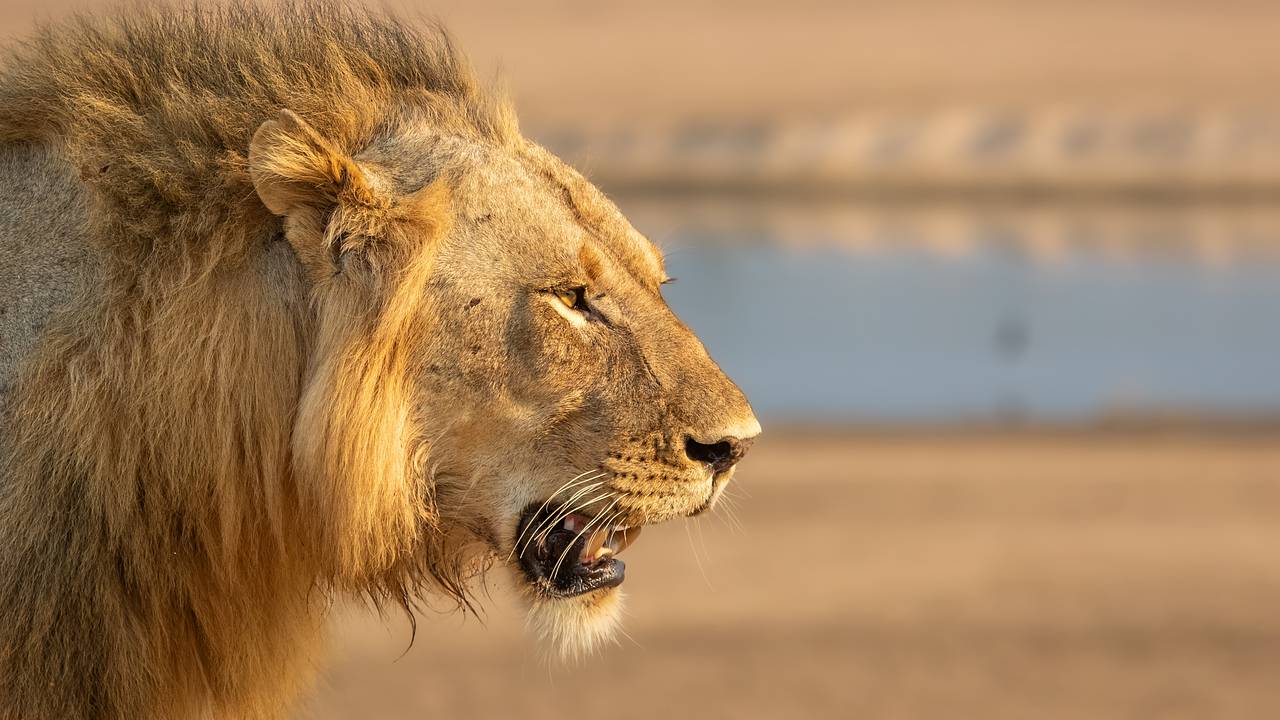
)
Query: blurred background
[{"x": 1002, "y": 279}]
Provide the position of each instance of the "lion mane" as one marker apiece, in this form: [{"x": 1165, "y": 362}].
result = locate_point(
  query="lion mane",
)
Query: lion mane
[{"x": 159, "y": 558}]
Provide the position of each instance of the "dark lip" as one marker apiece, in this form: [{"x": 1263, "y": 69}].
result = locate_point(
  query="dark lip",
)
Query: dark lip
[{"x": 573, "y": 578}]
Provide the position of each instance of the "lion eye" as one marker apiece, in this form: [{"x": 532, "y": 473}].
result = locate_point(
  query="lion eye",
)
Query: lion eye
[{"x": 573, "y": 298}]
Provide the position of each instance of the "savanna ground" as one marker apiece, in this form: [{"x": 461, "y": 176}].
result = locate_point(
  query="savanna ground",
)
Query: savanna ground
[{"x": 1090, "y": 575}]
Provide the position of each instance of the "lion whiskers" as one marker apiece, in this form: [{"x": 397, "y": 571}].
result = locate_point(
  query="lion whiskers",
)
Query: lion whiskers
[
  {"x": 553, "y": 521},
  {"x": 730, "y": 515},
  {"x": 583, "y": 532},
  {"x": 578, "y": 480},
  {"x": 547, "y": 525},
  {"x": 572, "y": 628}
]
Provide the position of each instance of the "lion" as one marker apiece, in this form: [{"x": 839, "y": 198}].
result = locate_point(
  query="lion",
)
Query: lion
[{"x": 290, "y": 312}]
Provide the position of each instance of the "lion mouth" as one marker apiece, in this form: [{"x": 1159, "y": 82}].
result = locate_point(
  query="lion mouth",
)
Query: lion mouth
[{"x": 565, "y": 555}]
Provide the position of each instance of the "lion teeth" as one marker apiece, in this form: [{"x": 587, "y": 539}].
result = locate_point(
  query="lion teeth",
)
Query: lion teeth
[
  {"x": 603, "y": 542},
  {"x": 621, "y": 540},
  {"x": 594, "y": 549}
]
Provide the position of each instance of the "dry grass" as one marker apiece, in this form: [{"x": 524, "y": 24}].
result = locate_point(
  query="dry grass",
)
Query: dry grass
[{"x": 1047, "y": 576}]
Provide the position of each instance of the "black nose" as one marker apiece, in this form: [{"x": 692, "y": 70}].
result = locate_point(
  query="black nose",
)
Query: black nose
[{"x": 720, "y": 455}]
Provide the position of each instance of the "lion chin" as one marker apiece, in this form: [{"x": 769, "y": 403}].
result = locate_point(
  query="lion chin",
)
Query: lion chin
[
  {"x": 568, "y": 571},
  {"x": 570, "y": 629}
]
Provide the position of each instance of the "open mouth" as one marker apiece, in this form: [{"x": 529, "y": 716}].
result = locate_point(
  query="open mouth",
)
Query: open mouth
[{"x": 568, "y": 555}]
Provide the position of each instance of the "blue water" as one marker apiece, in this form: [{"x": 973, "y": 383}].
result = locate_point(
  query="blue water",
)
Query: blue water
[{"x": 897, "y": 333}]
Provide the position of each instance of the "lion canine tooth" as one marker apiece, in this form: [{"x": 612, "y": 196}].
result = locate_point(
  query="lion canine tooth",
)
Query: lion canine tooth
[
  {"x": 591, "y": 551},
  {"x": 621, "y": 541}
]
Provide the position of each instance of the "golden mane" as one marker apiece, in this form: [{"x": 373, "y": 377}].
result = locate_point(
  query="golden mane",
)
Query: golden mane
[
  {"x": 159, "y": 429},
  {"x": 157, "y": 107}
]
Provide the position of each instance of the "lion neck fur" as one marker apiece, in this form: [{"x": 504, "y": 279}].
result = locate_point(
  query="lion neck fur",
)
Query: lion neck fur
[{"x": 213, "y": 444}]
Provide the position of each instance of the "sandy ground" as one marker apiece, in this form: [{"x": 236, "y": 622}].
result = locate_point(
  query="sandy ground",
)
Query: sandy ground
[{"x": 983, "y": 576}]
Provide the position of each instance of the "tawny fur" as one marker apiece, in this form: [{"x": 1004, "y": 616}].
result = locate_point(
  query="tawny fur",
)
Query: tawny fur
[
  {"x": 305, "y": 349},
  {"x": 163, "y": 465}
]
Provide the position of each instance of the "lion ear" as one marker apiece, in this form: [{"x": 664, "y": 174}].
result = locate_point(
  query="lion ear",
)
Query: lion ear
[{"x": 294, "y": 167}]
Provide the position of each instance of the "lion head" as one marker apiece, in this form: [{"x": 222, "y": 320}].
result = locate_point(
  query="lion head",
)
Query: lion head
[{"x": 499, "y": 330}]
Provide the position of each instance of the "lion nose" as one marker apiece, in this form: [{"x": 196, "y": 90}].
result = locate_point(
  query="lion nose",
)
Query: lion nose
[{"x": 721, "y": 454}]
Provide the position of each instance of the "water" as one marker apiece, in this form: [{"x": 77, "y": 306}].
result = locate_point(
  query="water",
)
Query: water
[{"x": 908, "y": 319}]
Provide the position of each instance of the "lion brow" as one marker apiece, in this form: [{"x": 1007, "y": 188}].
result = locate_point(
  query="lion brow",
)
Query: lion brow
[{"x": 602, "y": 222}]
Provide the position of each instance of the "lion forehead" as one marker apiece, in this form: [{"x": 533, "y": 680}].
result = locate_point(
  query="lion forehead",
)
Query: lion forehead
[{"x": 604, "y": 224}]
